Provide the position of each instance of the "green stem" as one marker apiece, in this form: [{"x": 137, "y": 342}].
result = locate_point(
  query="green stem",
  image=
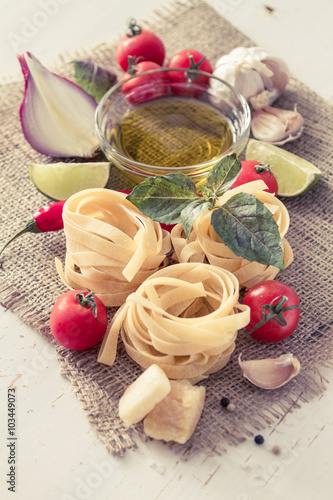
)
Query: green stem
[
  {"x": 275, "y": 312},
  {"x": 30, "y": 227},
  {"x": 262, "y": 167},
  {"x": 131, "y": 70},
  {"x": 190, "y": 76},
  {"x": 87, "y": 301},
  {"x": 133, "y": 28}
]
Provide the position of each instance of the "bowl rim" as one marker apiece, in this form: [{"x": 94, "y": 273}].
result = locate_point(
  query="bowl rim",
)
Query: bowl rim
[{"x": 140, "y": 168}]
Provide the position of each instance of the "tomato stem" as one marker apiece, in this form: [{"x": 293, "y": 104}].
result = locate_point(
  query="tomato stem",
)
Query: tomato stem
[
  {"x": 132, "y": 68},
  {"x": 87, "y": 301},
  {"x": 133, "y": 28},
  {"x": 274, "y": 312},
  {"x": 263, "y": 167},
  {"x": 190, "y": 76}
]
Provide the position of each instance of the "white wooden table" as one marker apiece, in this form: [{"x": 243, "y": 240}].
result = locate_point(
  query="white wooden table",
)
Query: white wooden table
[{"x": 59, "y": 456}]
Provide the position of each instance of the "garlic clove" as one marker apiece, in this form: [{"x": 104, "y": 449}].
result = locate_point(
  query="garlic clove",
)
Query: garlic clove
[
  {"x": 57, "y": 116},
  {"x": 280, "y": 76},
  {"x": 248, "y": 83},
  {"x": 270, "y": 373},
  {"x": 276, "y": 126}
]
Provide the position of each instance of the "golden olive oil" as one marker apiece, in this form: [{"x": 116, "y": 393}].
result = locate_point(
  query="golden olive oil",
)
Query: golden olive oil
[{"x": 173, "y": 131}]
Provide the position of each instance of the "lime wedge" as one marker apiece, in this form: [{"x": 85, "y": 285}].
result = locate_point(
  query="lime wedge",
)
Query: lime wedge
[
  {"x": 60, "y": 180},
  {"x": 294, "y": 175}
]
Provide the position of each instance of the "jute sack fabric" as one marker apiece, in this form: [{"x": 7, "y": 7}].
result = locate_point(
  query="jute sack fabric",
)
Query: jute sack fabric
[{"x": 30, "y": 285}]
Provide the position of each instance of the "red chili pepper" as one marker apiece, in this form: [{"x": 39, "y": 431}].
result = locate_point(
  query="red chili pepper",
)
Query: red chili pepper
[{"x": 46, "y": 219}]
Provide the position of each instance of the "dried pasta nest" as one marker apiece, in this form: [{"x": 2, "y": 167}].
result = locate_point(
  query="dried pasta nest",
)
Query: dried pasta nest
[
  {"x": 184, "y": 318},
  {"x": 111, "y": 247},
  {"x": 204, "y": 245}
]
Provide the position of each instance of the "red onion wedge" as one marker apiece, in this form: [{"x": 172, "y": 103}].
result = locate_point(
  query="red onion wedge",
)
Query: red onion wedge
[{"x": 57, "y": 116}]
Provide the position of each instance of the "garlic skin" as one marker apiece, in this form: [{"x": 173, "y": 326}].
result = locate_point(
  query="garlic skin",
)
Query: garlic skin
[
  {"x": 57, "y": 116},
  {"x": 276, "y": 126},
  {"x": 270, "y": 373},
  {"x": 259, "y": 76}
]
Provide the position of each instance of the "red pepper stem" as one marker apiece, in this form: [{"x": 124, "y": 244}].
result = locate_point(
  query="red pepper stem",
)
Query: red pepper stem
[{"x": 30, "y": 227}]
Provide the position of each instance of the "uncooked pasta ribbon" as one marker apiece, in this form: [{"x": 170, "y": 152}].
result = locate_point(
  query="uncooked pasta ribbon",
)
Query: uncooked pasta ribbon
[
  {"x": 111, "y": 246},
  {"x": 204, "y": 245},
  {"x": 183, "y": 318}
]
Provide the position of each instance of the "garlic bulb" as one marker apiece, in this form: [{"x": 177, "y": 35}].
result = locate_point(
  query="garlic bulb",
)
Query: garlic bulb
[
  {"x": 259, "y": 76},
  {"x": 276, "y": 126},
  {"x": 270, "y": 373}
]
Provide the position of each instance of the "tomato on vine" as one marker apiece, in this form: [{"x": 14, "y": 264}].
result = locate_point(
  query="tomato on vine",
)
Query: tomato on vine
[
  {"x": 141, "y": 44},
  {"x": 78, "y": 320},
  {"x": 191, "y": 59},
  {"x": 254, "y": 171},
  {"x": 275, "y": 311},
  {"x": 153, "y": 83}
]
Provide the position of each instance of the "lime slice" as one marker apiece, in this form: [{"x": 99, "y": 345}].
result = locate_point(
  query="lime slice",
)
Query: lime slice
[
  {"x": 294, "y": 175},
  {"x": 60, "y": 180}
]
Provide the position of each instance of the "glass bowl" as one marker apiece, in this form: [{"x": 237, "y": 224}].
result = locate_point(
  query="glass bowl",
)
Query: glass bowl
[{"x": 164, "y": 126}]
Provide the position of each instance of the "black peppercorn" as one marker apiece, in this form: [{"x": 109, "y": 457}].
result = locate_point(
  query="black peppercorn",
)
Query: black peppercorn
[
  {"x": 259, "y": 439},
  {"x": 225, "y": 402}
]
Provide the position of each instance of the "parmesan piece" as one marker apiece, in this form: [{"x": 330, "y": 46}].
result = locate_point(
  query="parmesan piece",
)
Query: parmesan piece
[
  {"x": 176, "y": 416},
  {"x": 142, "y": 395}
]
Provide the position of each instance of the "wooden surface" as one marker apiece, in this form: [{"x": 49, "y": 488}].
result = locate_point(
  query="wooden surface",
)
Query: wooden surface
[{"x": 59, "y": 457}]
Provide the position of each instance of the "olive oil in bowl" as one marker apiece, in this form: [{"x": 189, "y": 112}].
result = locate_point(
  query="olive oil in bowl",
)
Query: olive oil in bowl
[{"x": 173, "y": 131}]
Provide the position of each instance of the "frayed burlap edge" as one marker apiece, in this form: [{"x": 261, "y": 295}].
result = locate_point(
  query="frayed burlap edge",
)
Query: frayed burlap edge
[{"x": 98, "y": 387}]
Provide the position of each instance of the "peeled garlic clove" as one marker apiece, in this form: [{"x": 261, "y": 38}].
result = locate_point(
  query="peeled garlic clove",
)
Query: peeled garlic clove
[
  {"x": 57, "y": 116},
  {"x": 270, "y": 373},
  {"x": 276, "y": 126}
]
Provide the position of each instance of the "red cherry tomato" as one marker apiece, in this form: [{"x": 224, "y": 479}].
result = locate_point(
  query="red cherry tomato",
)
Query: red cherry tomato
[
  {"x": 151, "y": 90},
  {"x": 275, "y": 311},
  {"x": 141, "y": 44},
  {"x": 191, "y": 59},
  {"x": 254, "y": 171},
  {"x": 78, "y": 320}
]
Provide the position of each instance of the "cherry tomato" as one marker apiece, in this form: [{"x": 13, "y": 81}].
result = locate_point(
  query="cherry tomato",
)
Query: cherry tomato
[
  {"x": 151, "y": 89},
  {"x": 191, "y": 59},
  {"x": 141, "y": 44},
  {"x": 275, "y": 311},
  {"x": 78, "y": 320},
  {"x": 254, "y": 171}
]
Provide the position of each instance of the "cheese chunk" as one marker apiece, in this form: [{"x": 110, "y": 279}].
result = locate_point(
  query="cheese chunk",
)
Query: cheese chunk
[
  {"x": 176, "y": 416},
  {"x": 142, "y": 395}
]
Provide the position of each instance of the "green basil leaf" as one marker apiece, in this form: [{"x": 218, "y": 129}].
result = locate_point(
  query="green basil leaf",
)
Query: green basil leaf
[
  {"x": 248, "y": 228},
  {"x": 223, "y": 174},
  {"x": 92, "y": 78},
  {"x": 162, "y": 198},
  {"x": 207, "y": 194},
  {"x": 191, "y": 212}
]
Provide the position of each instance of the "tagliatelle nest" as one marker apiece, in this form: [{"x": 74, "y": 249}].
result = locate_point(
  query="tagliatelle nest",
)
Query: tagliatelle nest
[
  {"x": 111, "y": 246},
  {"x": 184, "y": 318},
  {"x": 205, "y": 246}
]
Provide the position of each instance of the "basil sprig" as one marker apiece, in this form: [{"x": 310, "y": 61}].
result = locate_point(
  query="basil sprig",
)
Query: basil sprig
[{"x": 243, "y": 223}]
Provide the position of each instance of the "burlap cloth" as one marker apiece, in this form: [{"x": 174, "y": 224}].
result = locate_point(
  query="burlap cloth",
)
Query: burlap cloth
[{"x": 30, "y": 285}]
